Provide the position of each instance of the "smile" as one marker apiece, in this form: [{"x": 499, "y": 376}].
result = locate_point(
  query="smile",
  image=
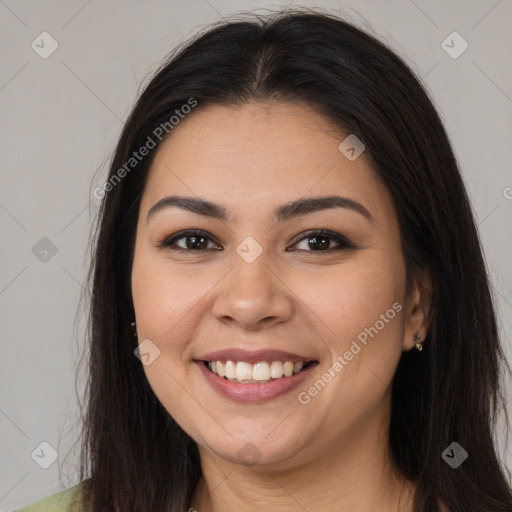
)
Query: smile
[
  {"x": 263, "y": 371},
  {"x": 241, "y": 388}
]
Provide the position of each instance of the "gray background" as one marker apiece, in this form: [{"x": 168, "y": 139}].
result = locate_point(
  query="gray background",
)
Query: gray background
[{"x": 61, "y": 117}]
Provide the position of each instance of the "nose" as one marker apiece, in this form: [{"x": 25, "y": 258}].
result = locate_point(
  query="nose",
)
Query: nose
[{"x": 253, "y": 296}]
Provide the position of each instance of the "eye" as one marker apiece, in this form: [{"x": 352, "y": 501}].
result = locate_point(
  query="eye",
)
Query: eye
[
  {"x": 319, "y": 241},
  {"x": 196, "y": 240}
]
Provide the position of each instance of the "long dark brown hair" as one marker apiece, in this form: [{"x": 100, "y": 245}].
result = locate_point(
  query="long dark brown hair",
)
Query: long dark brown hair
[{"x": 134, "y": 456}]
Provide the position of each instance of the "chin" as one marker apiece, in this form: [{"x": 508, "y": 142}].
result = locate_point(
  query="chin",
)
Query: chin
[{"x": 253, "y": 452}]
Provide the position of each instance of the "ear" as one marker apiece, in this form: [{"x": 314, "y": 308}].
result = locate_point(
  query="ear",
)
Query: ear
[{"x": 418, "y": 309}]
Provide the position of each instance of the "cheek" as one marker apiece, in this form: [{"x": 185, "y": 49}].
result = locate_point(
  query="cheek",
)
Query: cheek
[
  {"x": 162, "y": 297},
  {"x": 351, "y": 297},
  {"x": 358, "y": 313},
  {"x": 164, "y": 305}
]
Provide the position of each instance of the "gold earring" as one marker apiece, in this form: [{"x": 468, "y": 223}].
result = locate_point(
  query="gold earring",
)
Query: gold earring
[{"x": 419, "y": 346}]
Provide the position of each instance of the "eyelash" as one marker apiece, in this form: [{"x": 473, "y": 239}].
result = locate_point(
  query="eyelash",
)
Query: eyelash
[{"x": 343, "y": 242}]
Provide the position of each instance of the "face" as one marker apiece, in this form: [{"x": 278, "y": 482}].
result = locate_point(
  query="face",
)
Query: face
[{"x": 256, "y": 281}]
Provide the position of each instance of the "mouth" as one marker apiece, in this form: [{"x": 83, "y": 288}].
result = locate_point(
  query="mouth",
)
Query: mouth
[
  {"x": 241, "y": 381},
  {"x": 262, "y": 372}
]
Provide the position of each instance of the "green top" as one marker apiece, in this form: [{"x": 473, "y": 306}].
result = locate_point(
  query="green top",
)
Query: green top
[{"x": 59, "y": 502}]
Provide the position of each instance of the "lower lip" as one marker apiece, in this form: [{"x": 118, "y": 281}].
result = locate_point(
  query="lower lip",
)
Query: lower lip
[{"x": 253, "y": 392}]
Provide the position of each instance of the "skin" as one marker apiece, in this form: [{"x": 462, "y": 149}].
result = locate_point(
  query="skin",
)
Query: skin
[{"x": 329, "y": 454}]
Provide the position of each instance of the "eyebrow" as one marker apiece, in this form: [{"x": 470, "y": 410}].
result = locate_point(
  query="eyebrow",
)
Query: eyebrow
[{"x": 282, "y": 213}]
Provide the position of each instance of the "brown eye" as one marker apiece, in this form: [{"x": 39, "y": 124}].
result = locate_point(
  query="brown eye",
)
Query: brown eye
[
  {"x": 193, "y": 241},
  {"x": 320, "y": 241},
  {"x": 198, "y": 241}
]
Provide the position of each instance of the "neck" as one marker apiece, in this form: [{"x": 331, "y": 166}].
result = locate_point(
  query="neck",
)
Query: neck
[{"x": 357, "y": 477}]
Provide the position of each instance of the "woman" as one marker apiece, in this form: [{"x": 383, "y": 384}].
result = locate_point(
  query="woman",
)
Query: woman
[{"x": 286, "y": 232}]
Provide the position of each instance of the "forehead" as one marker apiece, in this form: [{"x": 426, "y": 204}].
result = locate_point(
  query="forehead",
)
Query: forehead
[{"x": 263, "y": 154}]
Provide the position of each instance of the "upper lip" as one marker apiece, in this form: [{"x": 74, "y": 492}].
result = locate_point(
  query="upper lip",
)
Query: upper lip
[{"x": 250, "y": 356}]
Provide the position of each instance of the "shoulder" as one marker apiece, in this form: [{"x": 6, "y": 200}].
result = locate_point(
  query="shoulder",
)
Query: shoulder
[{"x": 62, "y": 501}]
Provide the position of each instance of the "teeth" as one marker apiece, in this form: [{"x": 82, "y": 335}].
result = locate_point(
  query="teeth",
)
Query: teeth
[
  {"x": 288, "y": 369},
  {"x": 260, "y": 371},
  {"x": 230, "y": 370},
  {"x": 297, "y": 367},
  {"x": 276, "y": 369},
  {"x": 263, "y": 371},
  {"x": 243, "y": 371}
]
